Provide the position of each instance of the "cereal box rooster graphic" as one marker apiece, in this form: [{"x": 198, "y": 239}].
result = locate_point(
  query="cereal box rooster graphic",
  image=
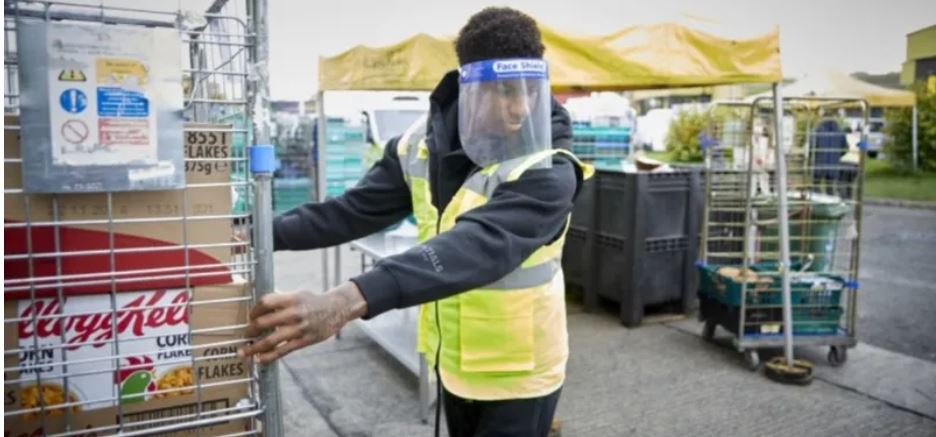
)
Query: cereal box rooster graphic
[{"x": 136, "y": 378}]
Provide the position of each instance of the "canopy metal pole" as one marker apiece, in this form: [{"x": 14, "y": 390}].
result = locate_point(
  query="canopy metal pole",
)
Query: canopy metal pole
[
  {"x": 914, "y": 137},
  {"x": 784, "y": 225},
  {"x": 321, "y": 165}
]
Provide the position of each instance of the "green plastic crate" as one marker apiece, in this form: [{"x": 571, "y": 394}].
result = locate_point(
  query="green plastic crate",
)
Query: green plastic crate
[
  {"x": 816, "y": 321},
  {"x": 729, "y": 291}
]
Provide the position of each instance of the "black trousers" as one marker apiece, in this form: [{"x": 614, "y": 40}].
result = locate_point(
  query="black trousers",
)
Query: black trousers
[{"x": 511, "y": 418}]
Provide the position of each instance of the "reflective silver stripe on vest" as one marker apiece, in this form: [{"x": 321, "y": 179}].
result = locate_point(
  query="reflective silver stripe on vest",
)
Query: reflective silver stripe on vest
[
  {"x": 416, "y": 167},
  {"x": 418, "y": 128},
  {"x": 521, "y": 278},
  {"x": 481, "y": 184},
  {"x": 485, "y": 185},
  {"x": 411, "y": 165},
  {"x": 526, "y": 277}
]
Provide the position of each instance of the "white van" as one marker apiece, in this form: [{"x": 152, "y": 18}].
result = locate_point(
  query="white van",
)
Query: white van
[{"x": 389, "y": 117}]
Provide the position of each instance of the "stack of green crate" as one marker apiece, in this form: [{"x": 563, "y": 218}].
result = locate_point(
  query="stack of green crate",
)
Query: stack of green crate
[
  {"x": 290, "y": 193},
  {"x": 605, "y": 147},
  {"x": 291, "y": 184},
  {"x": 239, "y": 191},
  {"x": 344, "y": 156}
]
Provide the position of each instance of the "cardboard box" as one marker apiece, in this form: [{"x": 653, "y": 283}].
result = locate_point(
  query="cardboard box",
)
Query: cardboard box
[
  {"x": 208, "y": 265},
  {"x": 91, "y": 422},
  {"x": 155, "y": 353}
]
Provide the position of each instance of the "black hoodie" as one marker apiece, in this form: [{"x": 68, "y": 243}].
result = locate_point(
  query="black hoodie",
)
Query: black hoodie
[{"x": 486, "y": 243}]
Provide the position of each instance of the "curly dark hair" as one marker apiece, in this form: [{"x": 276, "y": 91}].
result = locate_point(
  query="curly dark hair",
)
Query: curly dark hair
[{"x": 497, "y": 33}]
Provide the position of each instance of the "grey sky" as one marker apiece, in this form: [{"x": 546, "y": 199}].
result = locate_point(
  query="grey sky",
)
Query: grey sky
[
  {"x": 848, "y": 35},
  {"x": 815, "y": 34}
]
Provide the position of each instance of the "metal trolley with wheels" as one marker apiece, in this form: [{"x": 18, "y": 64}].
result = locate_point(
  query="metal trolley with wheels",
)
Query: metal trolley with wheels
[
  {"x": 124, "y": 309},
  {"x": 741, "y": 266}
]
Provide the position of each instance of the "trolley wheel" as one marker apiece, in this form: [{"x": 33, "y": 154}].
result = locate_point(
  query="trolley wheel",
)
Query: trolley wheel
[
  {"x": 708, "y": 331},
  {"x": 752, "y": 359},
  {"x": 838, "y": 355}
]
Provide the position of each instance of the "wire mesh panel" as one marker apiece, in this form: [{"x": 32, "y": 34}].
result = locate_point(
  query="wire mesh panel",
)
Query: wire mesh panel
[
  {"x": 123, "y": 311},
  {"x": 741, "y": 273},
  {"x": 726, "y": 186}
]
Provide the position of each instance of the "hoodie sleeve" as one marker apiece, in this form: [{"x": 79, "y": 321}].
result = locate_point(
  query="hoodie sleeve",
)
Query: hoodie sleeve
[
  {"x": 561, "y": 126},
  {"x": 379, "y": 200},
  {"x": 486, "y": 243}
]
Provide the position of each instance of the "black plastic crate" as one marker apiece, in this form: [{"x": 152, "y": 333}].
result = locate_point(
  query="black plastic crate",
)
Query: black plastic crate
[
  {"x": 641, "y": 240},
  {"x": 656, "y": 269},
  {"x": 574, "y": 261},
  {"x": 584, "y": 210},
  {"x": 625, "y": 199},
  {"x": 577, "y": 253}
]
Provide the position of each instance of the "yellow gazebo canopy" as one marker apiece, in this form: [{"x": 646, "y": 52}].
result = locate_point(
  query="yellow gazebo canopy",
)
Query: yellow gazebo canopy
[
  {"x": 834, "y": 85},
  {"x": 635, "y": 57}
]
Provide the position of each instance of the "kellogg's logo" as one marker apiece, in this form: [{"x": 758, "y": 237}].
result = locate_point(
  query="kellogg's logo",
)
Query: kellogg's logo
[{"x": 136, "y": 317}]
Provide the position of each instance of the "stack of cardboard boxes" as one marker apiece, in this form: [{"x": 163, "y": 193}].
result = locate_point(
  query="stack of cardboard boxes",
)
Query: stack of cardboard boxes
[{"x": 158, "y": 313}]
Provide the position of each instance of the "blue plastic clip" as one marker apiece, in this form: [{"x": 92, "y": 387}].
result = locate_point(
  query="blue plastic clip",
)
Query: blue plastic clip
[
  {"x": 851, "y": 284},
  {"x": 863, "y": 145},
  {"x": 262, "y": 159}
]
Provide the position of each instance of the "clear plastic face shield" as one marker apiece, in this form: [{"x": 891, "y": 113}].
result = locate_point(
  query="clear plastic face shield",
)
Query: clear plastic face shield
[{"x": 504, "y": 110}]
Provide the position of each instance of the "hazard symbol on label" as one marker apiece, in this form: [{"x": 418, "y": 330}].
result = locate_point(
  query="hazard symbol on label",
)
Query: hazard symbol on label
[
  {"x": 75, "y": 131},
  {"x": 72, "y": 76}
]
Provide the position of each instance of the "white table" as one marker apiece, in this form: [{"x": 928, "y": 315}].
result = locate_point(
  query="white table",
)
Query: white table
[{"x": 395, "y": 330}]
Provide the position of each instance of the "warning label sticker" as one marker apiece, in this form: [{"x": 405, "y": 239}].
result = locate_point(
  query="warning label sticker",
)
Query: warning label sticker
[
  {"x": 72, "y": 75},
  {"x": 122, "y": 132},
  {"x": 75, "y": 132},
  {"x": 73, "y": 101},
  {"x": 104, "y": 108},
  {"x": 118, "y": 102},
  {"x": 117, "y": 71},
  {"x": 102, "y": 101}
]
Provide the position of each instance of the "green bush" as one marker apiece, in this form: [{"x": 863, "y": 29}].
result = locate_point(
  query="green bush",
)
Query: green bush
[
  {"x": 682, "y": 139},
  {"x": 899, "y": 130}
]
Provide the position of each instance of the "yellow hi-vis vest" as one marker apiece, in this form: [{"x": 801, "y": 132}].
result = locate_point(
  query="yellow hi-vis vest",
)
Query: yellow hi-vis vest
[{"x": 508, "y": 339}]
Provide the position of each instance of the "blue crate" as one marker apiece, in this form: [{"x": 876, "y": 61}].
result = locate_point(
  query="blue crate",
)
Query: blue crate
[
  {"x": 610, "y": 164},
  {"x": 341, "y": 134},
  {"x": 343, "y": 154},
  {"x": 344, "y": 150}
]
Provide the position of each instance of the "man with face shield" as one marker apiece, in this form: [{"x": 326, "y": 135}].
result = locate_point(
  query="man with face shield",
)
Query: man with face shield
[
  {"x": 491, "y": 186},
  {"x": 504, "y": 110}
]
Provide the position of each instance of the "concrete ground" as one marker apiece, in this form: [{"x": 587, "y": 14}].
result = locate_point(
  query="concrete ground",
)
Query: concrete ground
[
  {"x": 656, "y": 380},
  {"x": 897, "y": 297}
]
